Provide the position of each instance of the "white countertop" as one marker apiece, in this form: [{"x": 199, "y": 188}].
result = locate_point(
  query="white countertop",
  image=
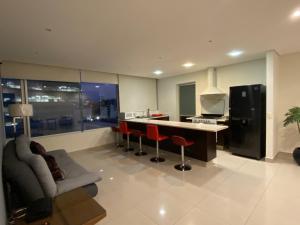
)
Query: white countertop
[{"x": 186, "y": 125}]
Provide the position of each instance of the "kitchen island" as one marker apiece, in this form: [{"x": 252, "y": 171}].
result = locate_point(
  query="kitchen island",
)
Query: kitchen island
[{"x": 204, "y": 136}]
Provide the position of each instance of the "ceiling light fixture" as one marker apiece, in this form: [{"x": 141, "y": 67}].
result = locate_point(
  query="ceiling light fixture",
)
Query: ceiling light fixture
[
  {"x": 188, "y": 65},
  {"x": 296, "y": 14},
  {"x": 162, "y": 211},
  {"x": 158, "y": 72},
  {"x": 235, "y": 53}
]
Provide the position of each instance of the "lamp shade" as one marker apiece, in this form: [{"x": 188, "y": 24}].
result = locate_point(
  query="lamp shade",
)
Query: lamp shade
[{"x": 20, "y": 110}]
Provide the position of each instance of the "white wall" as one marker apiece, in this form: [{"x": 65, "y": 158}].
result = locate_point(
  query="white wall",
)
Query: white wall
[
  {"x": 247, "y": 73},
  {"x": 75, "y": 141},
  {"x": 288, "y": 96},
  {"x": 168, "y": 95},
  {"x": 252, "y": 72},
  {"x": 137, "y": 93},
  {"x": 272, "y": 73}
]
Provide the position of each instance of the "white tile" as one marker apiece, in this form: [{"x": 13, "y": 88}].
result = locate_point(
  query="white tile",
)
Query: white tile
[
  {"x": 197, "y": 217},
  {"x": 226, "y": 209},
  {"x": 164, "y": 208},
  {"x": 276, "y": 209},
  {"x": 132, "y": 217},
  {"x": 229, "y": 190}
]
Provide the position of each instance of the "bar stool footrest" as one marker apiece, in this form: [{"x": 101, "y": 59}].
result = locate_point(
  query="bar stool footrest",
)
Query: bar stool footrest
[
  {"x": 157, "y": 159},
  {"x": 182, "y": 167},
  {"x": 140, "y": 153}
]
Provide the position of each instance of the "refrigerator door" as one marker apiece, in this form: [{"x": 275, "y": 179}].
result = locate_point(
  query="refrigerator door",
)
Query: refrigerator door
[{"x": 245, "y": 120}]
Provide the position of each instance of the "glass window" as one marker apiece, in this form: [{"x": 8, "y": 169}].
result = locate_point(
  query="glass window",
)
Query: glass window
[
  {"x": 56, "y": 107},
  {"x": 11, "y": 94},
  {"x": 99, "y": 105}
]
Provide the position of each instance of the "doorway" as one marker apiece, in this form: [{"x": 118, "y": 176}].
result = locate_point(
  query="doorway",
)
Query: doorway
[{"x": 187, "y": 101}]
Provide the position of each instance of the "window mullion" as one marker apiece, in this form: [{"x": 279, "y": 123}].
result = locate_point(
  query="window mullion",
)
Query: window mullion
[{"x": 26, "y": 120}]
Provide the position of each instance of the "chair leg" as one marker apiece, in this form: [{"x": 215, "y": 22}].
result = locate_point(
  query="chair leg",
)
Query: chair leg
[
  {"x": 128, "y": 148},
  {"x": 183, "y": 166},
  {"x": 157, "y": 158},
  {"x": 140, "y": 152}
]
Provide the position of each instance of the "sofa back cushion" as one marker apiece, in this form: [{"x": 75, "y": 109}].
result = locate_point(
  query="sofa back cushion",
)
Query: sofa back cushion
[
  {"x": 23, "y": 148},
  {"x": 22, "y": 180},
  {"x": 37, "y": 164},
  {"x": 41, "y": 170}
]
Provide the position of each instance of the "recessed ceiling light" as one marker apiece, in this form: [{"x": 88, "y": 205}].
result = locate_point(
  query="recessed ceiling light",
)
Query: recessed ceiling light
[
  {"x": 158, "y": 72},
  {"x": 188, "y": 65},
  {"x": 235, "y": 53},
  {"x": 296, "y": 14},
  {"x": 162, "y": 211}
]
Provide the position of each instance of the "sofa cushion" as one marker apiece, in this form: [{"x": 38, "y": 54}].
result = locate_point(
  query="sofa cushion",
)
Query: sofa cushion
[
  {"x": 20, "y": 177},
  {"x": 23, "y": 148},
  {"x": 41, "y": 170},
  {"x": 75, "y": 175},
  {"x": 67, "y": 164},
  {"x": 76, "y": 182}
]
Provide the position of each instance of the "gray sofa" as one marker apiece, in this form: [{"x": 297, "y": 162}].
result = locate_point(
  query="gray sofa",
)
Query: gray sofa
[{"x": 28, "y": 178}]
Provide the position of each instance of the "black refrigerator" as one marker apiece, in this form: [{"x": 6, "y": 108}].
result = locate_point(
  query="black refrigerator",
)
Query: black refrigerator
[{"x": 247, "y": 119}]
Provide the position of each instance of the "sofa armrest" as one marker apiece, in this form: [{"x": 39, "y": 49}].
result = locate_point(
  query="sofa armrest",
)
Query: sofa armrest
[{"x": 76, "y": 182}]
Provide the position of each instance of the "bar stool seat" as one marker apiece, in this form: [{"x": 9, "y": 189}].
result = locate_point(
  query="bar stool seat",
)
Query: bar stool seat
[
  {"x": 125, "y": 131},
  {"x": 181, "y": 141},
  {"x": 162, "y": 138},
  {"x": 140, "y": 135},
  {"x": 153, "y": 134}
]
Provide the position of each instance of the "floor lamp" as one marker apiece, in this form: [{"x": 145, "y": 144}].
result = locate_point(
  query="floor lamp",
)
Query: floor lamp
[{"x": 18, "y": 111}]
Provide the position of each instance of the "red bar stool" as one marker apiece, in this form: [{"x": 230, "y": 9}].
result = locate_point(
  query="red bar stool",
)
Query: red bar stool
[
  {"x": 140, "y": 135},
  {"x": 124, "y": 130},
  {"x": 177, "y": 140},
  {"x": 116, "y": 130},
  {"x": 153, "y": 134}
]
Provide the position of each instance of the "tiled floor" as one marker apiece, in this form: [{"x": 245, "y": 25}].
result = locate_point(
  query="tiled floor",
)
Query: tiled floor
[{"x": 230, "y": 190}]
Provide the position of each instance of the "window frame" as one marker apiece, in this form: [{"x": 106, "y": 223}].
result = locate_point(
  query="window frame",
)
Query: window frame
[
  {"x": 22, "y": 90},
  {"x": 25, "y": 100}
]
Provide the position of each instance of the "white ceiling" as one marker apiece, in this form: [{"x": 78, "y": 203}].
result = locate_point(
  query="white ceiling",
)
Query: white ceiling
[{"x": 136, "y": 37}]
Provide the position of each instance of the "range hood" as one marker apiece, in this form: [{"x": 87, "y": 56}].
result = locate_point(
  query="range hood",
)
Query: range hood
[{"x": 212, "y": 84}]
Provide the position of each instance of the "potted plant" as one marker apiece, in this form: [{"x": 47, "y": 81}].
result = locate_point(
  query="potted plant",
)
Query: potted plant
[{"x": 293, "y": 116}]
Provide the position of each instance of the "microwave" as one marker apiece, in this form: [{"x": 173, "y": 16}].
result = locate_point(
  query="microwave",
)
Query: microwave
[{"x": 127, "y": 115}]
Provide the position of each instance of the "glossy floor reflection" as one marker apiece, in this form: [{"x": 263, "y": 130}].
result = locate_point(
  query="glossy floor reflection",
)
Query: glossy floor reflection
[{"x": 230, "y": 190}]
